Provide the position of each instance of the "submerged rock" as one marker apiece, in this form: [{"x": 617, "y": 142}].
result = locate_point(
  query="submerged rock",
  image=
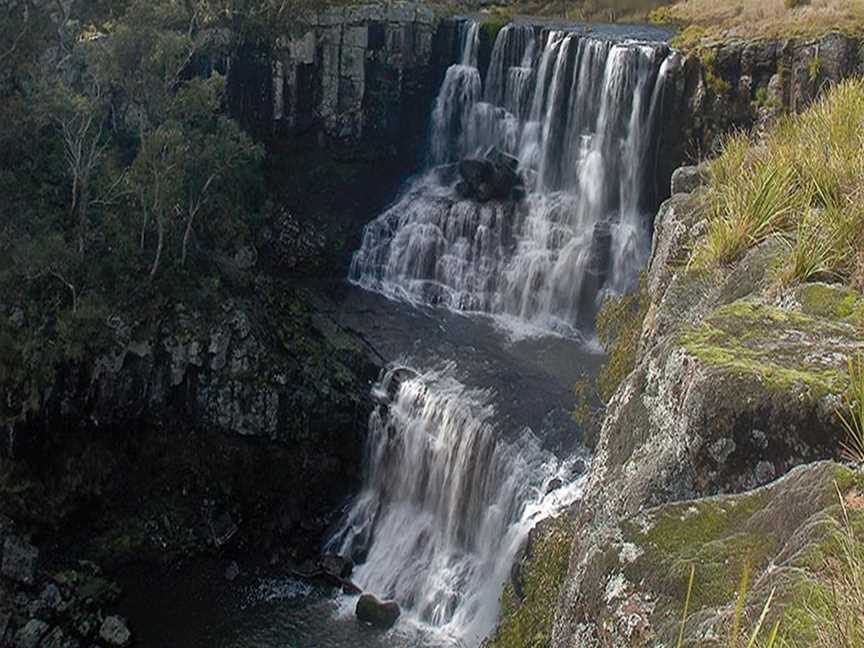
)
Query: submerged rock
[{"x": 381, "y": 614}]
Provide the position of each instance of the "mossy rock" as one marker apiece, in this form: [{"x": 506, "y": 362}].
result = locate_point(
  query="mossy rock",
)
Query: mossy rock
[
  {"x": 779, "y": 533},
  {"x": 782, "y": 347},
  {"x": 833, "y": 302},
  {"x": 529, "y": 598}
]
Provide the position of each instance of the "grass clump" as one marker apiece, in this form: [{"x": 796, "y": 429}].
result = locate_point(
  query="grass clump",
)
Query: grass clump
[
  {"x": 805, "y": 181},
  {"x": 852, "y": 416},
  {"x": 765, "y": 18}
]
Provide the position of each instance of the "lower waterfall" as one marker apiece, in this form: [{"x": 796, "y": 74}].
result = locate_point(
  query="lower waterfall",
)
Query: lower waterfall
[{"x": 446, "y": 502}]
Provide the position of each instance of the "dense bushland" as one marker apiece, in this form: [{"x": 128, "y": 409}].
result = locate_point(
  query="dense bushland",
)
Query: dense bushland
[{"x": 124, "y": 181}]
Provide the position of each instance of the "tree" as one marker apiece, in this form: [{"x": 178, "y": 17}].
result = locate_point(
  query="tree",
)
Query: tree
[
  {"x": 80, "y": 119},
  {"x": 221, "y": 148},
  {"x": 156, "y": 176}
]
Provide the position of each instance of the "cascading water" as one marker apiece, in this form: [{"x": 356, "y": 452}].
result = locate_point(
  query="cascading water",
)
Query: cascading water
[
  {"x": 449, "y": 493},
  {"x": 446, "y": 502},
  {"x": 580, "y": 114}
]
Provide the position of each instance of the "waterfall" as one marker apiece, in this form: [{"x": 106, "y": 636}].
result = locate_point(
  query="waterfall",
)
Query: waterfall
[
  {"x": 581, "y": 116},
  {"x": 446, "y": 502}
]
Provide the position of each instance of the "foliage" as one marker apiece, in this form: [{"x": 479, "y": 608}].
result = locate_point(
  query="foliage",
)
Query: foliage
[
  {"x": 803, "y": 181},
  {"x": 123, "y": 177},
  {"x": 830, "y": 612}
]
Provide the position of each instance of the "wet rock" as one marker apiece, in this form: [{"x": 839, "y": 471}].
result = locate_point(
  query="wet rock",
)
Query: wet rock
[
  {"x": 381, "y": 614},
  {"x": 336, "y": 565},
  {"x": 476, "y": 171},
  {"x": 464, "y": 190},
  {"x": 554, "y": 485},
  {"x": 31, "y": 634},
  {"x": 687, "y": 179},
  {"x": 115, "y": 632},
  {"x": 232, "y": 571},
  {"x": 19, "y": 560}
]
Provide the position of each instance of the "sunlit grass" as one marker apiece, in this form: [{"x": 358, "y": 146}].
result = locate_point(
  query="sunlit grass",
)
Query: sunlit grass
[{"x": 804, "y": 180}]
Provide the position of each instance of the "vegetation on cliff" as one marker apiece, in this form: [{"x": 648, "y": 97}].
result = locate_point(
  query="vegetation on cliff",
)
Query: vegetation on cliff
[
  {"x": 804, "y": 181},
  {"x": 708, "y": 19}
]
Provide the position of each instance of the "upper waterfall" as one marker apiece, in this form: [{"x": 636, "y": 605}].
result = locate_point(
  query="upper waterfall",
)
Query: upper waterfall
[{"x": 579, "y": 117}]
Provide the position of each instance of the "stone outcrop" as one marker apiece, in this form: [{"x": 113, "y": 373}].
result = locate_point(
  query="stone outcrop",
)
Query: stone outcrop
[
  {"x": 362, "y": 75},
  {"x": 736, "y": 383},
  {"x": 633, "y": 574},
  {"x": 263, "y": 393},
  {"x": 735, "y": 84}
]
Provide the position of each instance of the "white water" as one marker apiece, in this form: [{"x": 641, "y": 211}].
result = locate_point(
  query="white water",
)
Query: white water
[
  {"x": 446, "y": 502},
  {"x": 448, "y": 497},
  {"x": 581, "y": 116}
]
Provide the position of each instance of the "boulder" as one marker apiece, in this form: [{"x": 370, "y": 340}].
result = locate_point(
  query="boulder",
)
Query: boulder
[
  {"x": 115, "y": 632},
  {"x": 381, "y": 614},
  {"x": 554, "y": 485},
  {"x": 687, "y": 179},
  {"x": 19, "y": 560},
  {"x": 476, "y": 171},
  {"x": 464, "y": 190},
  {"x": 31, "y": 634},
  {"x": 491, "y": 178}
]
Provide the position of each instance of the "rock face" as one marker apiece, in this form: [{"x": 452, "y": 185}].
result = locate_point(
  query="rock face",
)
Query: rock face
[
  {"x": 381, "y": 614},
  {"x": 736, "y": 383},
  {"x": 356, "y": 74},
  {"x": 747, "y": 84},
  {"x": 275, "y": 392},
  {"x": 634, "y": 573}
]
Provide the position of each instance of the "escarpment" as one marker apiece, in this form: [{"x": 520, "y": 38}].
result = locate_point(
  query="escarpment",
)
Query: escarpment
[{"x": 738, "y": 382}]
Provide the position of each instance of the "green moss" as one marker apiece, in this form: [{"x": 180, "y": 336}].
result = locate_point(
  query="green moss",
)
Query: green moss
[
  {"x": 774, "y": 344},
  {"x": 710, "y": 534},
  {"x": 619, "y": 328},
  {"x": 830, "y": 302},
  {"x": 492, "y": 25},
  {"x": 527, "y": 622}
]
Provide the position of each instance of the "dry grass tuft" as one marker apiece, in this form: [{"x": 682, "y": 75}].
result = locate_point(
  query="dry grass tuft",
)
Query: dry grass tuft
[{"x": 768, "y": 18}]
